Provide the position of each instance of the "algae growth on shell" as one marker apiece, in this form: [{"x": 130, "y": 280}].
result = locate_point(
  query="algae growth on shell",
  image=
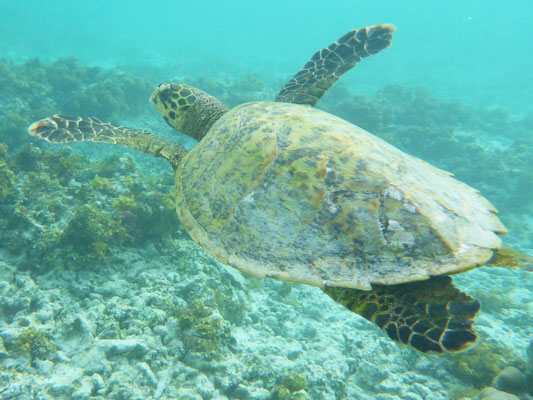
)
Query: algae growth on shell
[{"x": 316, "y": 200}]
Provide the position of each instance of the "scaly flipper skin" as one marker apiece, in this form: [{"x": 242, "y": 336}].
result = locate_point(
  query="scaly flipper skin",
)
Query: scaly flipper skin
[
  {"x": 329, "y": 64},
  {"x": 63, "y": 129},
  {"x": 431, "y": 315}
]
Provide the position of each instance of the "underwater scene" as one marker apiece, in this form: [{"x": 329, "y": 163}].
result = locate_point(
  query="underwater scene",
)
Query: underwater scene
[{"x": 296, "y": 247}]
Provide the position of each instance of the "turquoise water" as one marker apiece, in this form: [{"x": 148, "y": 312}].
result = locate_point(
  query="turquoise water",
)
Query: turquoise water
[
  {"x": 469, "y": 51},
  {"x": 103, "y": 294}
]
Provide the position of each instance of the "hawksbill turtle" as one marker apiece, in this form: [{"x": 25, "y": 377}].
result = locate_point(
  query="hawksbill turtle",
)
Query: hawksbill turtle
[{"x": 283, "y": 190}]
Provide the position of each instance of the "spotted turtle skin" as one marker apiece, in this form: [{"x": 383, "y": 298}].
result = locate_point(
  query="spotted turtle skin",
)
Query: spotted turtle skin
[{"x": 291, "y": 192}]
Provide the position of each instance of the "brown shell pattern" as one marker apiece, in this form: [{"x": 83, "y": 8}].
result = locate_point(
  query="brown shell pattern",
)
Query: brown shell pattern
[{"x": 294, "y": 193}]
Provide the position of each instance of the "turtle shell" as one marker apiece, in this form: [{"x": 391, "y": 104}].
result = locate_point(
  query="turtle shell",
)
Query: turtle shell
[{"x": 291, "y": 192}]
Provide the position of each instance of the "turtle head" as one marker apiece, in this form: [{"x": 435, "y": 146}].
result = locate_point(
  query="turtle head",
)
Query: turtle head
[{"x": 187, "y": 109}]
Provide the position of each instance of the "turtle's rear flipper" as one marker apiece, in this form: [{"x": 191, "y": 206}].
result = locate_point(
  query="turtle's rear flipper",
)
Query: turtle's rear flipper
[
  {"x": 431, "y": 315},
  {"x": 63, "y": 129},
  {"x": 329, "y": 64},
  {"x": 506, "y": 257}
]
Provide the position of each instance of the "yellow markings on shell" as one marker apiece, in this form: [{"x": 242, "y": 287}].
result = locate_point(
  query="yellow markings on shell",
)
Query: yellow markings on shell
[
  {"x": 307, "y": 185},
  {"x": 237, "y": 159}
]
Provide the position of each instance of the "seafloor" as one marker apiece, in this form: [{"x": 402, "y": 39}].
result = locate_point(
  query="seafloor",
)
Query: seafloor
[{"x": 104, "y": 296}]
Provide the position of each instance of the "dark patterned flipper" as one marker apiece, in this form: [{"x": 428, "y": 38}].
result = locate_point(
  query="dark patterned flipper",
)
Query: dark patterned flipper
[
  {"x": 329, "y": 64},
  {"x": 63, "y": 129},
  {"x": 431, "y": 315}
]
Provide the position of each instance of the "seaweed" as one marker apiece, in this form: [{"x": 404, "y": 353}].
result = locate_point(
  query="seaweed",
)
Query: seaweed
[
  {"x": 38, "y": 344},
  {"x": 295, "y": 382},
  {"x": 57, "y": 207},
  {"x": 91, "y": 231},
  {"x": 204, "y": 331}
]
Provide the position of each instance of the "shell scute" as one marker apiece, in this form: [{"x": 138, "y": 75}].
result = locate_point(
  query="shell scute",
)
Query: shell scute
[{"x": 287, "y": 191}]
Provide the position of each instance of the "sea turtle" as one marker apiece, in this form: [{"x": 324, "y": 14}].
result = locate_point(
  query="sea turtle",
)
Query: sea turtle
[{"x": 282, "y": 190}]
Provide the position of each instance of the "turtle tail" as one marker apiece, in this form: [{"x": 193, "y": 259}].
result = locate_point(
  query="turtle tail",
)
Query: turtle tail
[
  {"x": 329, "y": 64},
  {"x": 63, "y": 129},
  {"x": 430, "y": 315},
  {"x": 506, "y": 257}
]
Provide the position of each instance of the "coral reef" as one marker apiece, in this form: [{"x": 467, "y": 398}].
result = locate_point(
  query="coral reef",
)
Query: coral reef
[
  {"x": 203, "y": 331},
  {"x": 7, "y": 190},
  {"x": 43, "y": 222},
  {"x": 103, "y": 295}
]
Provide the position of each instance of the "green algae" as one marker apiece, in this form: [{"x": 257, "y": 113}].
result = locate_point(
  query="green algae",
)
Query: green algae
[
  {"x": 295, "y": 382},
  {"x": 38, "y": 344},
  {"x": 284, "y": 394},
  {"x": 101, "y": 184},
  {"x": 58, "y": 207},
  {"x": 125, "y": 203},
  {"x": 460, "y": 392},
  {"x": 203, "y": 331},
  {"x": 90, "y": 230},
  {"x": 292, "y": 386},
  {"x": 146, "y": 214}
]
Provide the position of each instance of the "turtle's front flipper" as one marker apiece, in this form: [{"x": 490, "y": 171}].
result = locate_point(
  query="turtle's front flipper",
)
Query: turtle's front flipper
[
  {"x": 63, "y": 129},
  {"x": 431, "y": 315},
  {"x": 329, "y": 64},
  {"x": 508, "y": 258}
]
